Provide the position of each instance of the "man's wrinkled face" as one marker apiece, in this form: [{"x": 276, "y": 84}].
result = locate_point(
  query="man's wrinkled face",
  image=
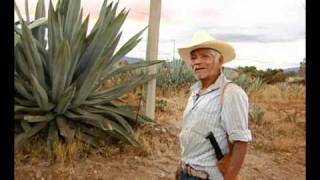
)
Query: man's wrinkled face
[{"x": 206, "y": 63}]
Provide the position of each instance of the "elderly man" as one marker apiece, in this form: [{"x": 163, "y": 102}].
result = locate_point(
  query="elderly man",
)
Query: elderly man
[{"x": 217, "y": 107}]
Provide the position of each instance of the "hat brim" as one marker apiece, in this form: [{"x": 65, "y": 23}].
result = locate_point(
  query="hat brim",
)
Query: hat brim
[{"x": 225, "y": 49}]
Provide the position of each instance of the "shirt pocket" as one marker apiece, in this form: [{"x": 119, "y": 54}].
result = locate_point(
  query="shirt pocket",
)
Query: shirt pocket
[{"x": 206, "y": 117}]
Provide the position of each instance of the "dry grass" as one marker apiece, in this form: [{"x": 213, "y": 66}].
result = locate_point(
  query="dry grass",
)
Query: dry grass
[
  {"x": 281, "y": 132},
  {"x": 282, "y": 92},
  {"x": 283, "y": 126}
]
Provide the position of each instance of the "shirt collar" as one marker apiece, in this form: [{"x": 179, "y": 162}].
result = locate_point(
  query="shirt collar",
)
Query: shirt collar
[{"x": 221, "y": 80}]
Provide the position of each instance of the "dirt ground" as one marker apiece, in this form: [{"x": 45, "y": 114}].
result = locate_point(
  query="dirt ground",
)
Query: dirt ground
[{"x": 281, "y": 158}]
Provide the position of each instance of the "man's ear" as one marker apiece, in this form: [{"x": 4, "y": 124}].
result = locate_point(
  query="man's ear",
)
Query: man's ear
[{"x": 221, "y": 60}]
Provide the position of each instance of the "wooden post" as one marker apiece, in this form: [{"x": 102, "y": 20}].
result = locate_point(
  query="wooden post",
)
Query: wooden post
[{"x": 152, "y": 54}]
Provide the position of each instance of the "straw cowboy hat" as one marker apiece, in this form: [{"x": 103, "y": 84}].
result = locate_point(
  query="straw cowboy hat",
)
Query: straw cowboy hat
[{"x": 203, "y": 40}]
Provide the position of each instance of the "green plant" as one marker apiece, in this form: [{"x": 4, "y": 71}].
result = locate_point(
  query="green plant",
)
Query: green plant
[
  {"x": 243, "y": 80},
  {"x": 255, "y": 85},
  {"x": 175, "y": 74},
  {"x": 57, "y": 80},
  {"x": 257, "y": 115},
  {"x": 248, "y": 83},
  {"x": 161, "y": 104}
]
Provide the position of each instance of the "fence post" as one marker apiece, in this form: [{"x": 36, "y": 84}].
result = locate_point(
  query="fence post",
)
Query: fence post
[{"x": 152, "y": 54}]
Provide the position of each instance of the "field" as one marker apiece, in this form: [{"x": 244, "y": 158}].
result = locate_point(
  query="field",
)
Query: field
[{"x": 276, "y": 152}]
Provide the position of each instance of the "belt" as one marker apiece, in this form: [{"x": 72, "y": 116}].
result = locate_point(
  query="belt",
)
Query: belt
[{"x": 186, "y": 168}]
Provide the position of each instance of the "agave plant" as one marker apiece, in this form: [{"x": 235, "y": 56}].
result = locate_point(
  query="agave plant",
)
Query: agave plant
[
  {"x": 175, "y": 74},
  {"x": 57, "y": 78}
]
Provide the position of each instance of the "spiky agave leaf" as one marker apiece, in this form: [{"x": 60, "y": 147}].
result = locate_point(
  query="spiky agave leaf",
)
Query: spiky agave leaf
[{"x": 57, "y": 81}]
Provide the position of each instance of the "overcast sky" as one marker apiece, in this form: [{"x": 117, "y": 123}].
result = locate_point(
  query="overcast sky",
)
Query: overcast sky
[{"x": 264, "y": 33}]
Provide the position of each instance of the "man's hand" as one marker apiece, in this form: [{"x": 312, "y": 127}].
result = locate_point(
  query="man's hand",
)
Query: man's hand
[
  {"x": 178, "y": 172},
  {"x": 231, "y": 163},
  {"x": 223, "y": 164}
]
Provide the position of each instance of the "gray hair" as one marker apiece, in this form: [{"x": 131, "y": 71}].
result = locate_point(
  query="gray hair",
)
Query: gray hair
[{"x": 215, "y": 53}]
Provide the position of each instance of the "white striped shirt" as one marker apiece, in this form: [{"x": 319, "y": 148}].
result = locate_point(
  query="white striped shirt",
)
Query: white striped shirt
[{"x": 204, "y": 114}]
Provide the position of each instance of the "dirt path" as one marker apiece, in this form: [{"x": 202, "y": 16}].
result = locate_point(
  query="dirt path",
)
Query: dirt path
[{"x": 160, "y": 165}]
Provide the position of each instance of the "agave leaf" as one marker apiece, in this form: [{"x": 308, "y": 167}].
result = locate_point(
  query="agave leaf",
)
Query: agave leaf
[
  {"x": 54, "y": 33},
  {"x": 121, "y": 89},
  {"x": 87, "y": 80},
  {"x": 62, "y": 7},
  {"x": 60, "y": 68},
  {"x": 72, "y": 14},
  {"x": 105, "y": 15},
  {"x": 16, "y": 38},
  {"x": 39, "y": 118},
  {"x": 87, "y": 138},
  {"x": 19, "y": 108},
  {"x": 128, "y": 46},
  {"x": 38, "y": 22},
  {"x": 64, "y": 128},
  {"x": 65, "y": 100},
  {"x": 17, "y": 32},
  {"x": 26, "y": 135},
  {"x": 121, "y": 121},
  {"x": 22, "y": 88},
  {"x": 116, "y": 88},
  {"x": 110, "y": 50},
  {"x": 112, "y": 32},
  {"x": 130, "y": 115},
  {"x": 40, "y": 95},
  {"x": 105, "y": 59},
  {"x": 100, "y": 55},
  {"x": 77, "y": 48},
  {"x": 115, "y": 109},
  {"x": 32, "y": 55},
  {"x": 38, "y": 28},
  {"x": 85, "y": 89},
  {"x": 115, "y": 117},
  {"x": 115, "y": 127},
  {"x": 91, "y": 119},
  {"x": 77, "y": 25},
  {"x": 18, "y": 116},
  {"x": 125, "y": 135},
  {"x": 40, "y": 9},
  {"x": 21, "y": 62},
  {"x": 34, "y": 25},
  {"x": 93, "y": 131},
  {"x": 90, "y": 78},
  {"x": 25, "y": 126},
  {"x": 129, "y": 67},
  {"x": 102, "y": 123},
  {"x": 26, "y": 5},
  {"x": 52, "y": 139},
  {"x": 44, "y": 54},
  {"x": 26, "y": 103}
]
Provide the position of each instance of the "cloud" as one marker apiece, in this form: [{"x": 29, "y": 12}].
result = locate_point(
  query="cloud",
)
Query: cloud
[
  {"x": 245, "y": 20},
  {"x": 262, "y": 31}
]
